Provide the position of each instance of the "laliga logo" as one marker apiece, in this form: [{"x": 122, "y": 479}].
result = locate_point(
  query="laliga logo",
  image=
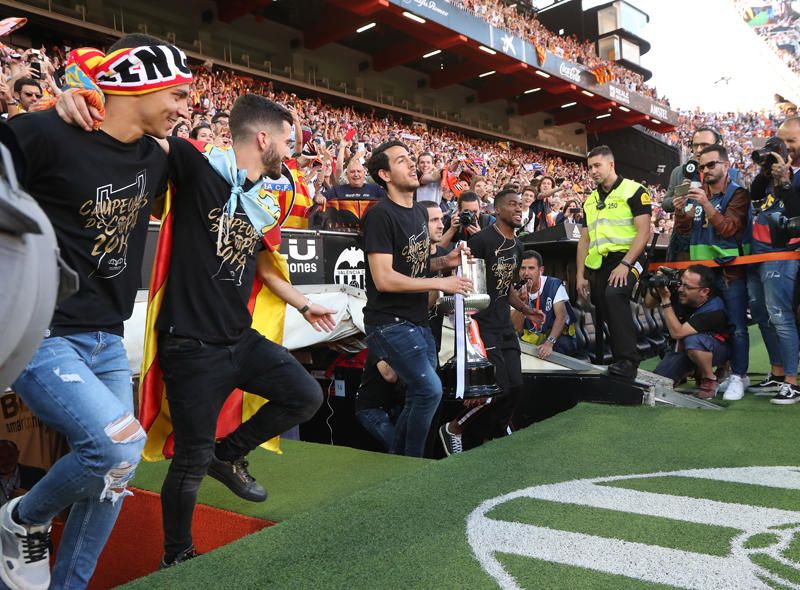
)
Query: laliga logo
[
  {"x": 650, "y": 563},
  {"x": 349, "y": 268},
  {"x": 570, "y": 72}
]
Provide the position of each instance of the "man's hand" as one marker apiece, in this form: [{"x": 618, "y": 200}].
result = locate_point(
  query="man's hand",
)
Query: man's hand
[
  {"x": 582, "y": 286},
  {"x": 536, "y": 316},
  {"x": 619, "y": 276},
  {"x": 453, "y": 258},
  {"x": 320, "y": 318},
  {"x": 456, "y": 285},
  {"x": 544, "y": 350},
  {"x": 471, "y": 230},
  {"x": 74, "y": 110},
  {"x": 679, "y": 203},
  {"x": 664, "y": 295},
  {"x": 699, "y": 195},
  {"x": 319, "y": 198},
  {"x": 781, "y": 173}
]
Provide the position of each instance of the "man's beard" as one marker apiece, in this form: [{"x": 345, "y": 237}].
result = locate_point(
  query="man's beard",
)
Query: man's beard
[{"x": 271, "y": 162}]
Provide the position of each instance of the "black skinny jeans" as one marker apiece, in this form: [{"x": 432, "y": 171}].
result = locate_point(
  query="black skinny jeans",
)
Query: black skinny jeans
[{"x": 199, "y": 377}]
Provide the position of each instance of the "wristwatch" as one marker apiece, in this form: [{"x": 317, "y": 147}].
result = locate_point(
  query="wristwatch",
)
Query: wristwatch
[
  {"x": 305, "y": 308},
  {"x": 666, "y": 305},
  {"x": 551, "y": 340}
]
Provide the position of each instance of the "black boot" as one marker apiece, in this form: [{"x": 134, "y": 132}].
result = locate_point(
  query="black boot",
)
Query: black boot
[{"x": 624, "y": 368}]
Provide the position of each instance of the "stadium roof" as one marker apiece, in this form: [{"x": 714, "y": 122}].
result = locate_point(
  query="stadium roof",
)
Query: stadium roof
[{"x": 454, "y": 47}]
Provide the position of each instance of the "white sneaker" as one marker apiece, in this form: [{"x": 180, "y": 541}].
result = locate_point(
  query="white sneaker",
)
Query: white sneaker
[
  {"x": 723, "y": 385},
  {"x": 736, "y": 387},
  {"x": 25, "y": 552}
]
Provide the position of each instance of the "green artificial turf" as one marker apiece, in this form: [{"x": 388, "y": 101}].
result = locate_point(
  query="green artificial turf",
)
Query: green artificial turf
[
  {"x": 305, "y": 477},
  {"x": 410, "y": 531}
]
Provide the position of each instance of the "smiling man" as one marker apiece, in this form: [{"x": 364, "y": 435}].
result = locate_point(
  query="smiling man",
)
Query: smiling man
[
  {"x": 397, "y": 244},
  {"x": 98, "y": 191}
]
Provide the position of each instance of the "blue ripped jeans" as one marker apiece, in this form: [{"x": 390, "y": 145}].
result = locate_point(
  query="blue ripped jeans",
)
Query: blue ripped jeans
[
  {"x": 80, "y": 385},
  {"x": 411, "y": 351},
  {"x": 770, "y": 286}
]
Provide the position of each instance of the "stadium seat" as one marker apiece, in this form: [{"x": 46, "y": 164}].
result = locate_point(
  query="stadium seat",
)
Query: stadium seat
[{"x": 581, "y": 339}]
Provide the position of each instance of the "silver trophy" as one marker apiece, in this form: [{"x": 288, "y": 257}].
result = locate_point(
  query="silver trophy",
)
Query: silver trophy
[{"x": 479, "y": 380}]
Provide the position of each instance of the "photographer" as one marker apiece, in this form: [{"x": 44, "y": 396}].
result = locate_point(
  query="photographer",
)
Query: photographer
[
  {"x": 466, "y": 221},
  {"x": 699, "y": 325},
  {"x": 572, "y": 213},
  {"x": 717, "y": 226},
  {"x": 771, "y": 284}
]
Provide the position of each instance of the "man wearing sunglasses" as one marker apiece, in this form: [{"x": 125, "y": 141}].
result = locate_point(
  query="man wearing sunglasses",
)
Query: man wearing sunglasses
[
  {"x": 27, "y": 91},
  {"x": 717, "y": 225},
  {"x": 701, "y": 337}
]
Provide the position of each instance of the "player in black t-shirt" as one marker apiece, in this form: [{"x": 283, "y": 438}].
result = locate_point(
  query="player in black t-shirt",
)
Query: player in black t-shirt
[
  {"x": 498, "y": 246},
  {"x": 206, "y": 345},
  {"x": 397, "y": 244},
  {"x": 98, "y": 190}
]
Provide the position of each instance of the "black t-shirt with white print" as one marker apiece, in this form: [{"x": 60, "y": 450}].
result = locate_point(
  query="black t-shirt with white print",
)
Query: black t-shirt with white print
[
  {"x": 206, "y": 294},
  {"x": 98, "y": 193},
  {"x": 389, "y": 228},
  {"x": 503, "y": 258}
]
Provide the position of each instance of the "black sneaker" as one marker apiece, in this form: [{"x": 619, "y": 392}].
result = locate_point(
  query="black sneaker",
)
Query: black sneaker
[
  {"x": 234, "y": 474},
  {"x": 789, "y": 394},
  {"x": 768, "y": 386},
  {"x": 451, "y": 442},
  {"x": 184, "y": 555}
]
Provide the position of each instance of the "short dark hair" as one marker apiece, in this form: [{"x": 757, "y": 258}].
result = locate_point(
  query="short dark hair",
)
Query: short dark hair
[
  {"x": 723, "y": 153},
  {"x": 706, "y": 274},
  {"x": 196, "y": 131},
  {"x": 429, "y": 204},
  {"x": 467, "y": 197},
  {"x": 711, "y": 130},
  {"x": 250, "y": 111},
  {"x": 550, "y": 178},
  {"x": 26, "y": 82},
  {"x": 220, "y": 115},
  {"x": 528, "y": 254},
  {"x": 501, "y": 197},
  {"x": 429, "y": 154},
  {"x": 600, "y": 150},
  {"x": 529, "y": 189},
  {"x": 136, "y": 40},
  {"x": 380, "y": 161}
]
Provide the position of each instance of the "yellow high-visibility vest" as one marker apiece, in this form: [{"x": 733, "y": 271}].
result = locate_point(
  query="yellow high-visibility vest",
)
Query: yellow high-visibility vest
[{"x": 611, "y": 229}]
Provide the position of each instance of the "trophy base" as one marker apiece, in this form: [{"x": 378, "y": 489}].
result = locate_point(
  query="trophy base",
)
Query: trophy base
[{"x": 479, "y": 382}]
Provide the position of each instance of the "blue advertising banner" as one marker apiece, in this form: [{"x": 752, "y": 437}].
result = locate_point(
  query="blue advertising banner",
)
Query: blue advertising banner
[{"x": 500, "y": 40}]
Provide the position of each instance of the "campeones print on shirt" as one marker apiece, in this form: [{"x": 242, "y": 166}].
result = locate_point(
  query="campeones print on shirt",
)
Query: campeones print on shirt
[
  {"x": 241, "y": 244},
  {"x": 503, "y": 271},
  {"x": 113, "y": 213},
  {"x": 416, "y": 253}
]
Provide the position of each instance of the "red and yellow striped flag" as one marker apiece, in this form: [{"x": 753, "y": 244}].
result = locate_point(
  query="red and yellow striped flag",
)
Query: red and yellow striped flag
[{"x": 269, "y": 313}]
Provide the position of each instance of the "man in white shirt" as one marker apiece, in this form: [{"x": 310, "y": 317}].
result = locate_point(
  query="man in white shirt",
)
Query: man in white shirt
[{"x": 547, "y": 294}]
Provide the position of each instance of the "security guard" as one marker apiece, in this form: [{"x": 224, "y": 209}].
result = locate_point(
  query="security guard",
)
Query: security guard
[{"x": 616, "y": 227}]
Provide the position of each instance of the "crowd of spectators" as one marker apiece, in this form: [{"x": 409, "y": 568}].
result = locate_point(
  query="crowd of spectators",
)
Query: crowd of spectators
[
  {"x": 776, "y": 23},
  {"x": 526, "y": 26},
  {"x": 347, "y": 130}
]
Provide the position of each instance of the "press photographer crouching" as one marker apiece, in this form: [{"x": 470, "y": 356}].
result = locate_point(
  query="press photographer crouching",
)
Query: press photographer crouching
[
  {"x": 696, "y": 320},
  {"x": 465, "y": 221}
]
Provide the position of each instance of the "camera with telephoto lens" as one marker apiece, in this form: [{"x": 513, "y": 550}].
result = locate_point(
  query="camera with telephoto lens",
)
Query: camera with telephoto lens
[
  {"x": 782, "y": 229},
  {"x": 764, "y": 158},
  {"x": 666, "y": 277},
  {"x": 467, "y": 218}
]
